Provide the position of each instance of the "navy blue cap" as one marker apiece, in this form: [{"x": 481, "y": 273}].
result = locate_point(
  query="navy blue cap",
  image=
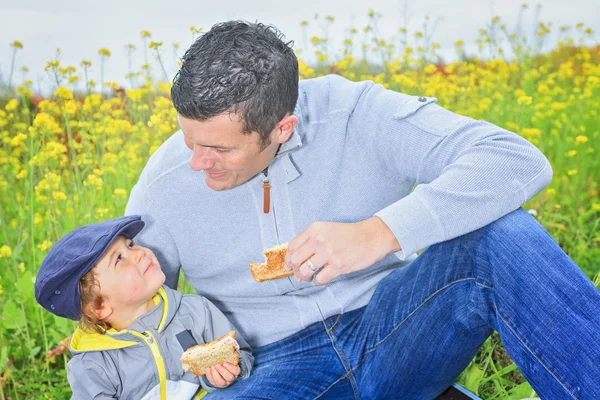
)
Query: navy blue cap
[{"x": 57, "y": 282}]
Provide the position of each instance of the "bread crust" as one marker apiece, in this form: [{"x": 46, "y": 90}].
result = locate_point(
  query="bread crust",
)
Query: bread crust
[
  {"x": 196, "y": 360},
  {"x": 274, "y": 267}
]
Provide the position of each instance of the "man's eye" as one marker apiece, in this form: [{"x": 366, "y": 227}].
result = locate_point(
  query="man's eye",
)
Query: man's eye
[{"x": 223, "y": 150}]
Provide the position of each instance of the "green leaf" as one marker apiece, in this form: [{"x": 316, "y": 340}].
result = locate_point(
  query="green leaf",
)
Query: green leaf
[
  {"x": 473, "y": 378},
  {"x": 24, "y": 285},
  {"x": 3, "y": 358},
  {"x": 12, "y": 316},
  {"x": 522, "y": 391},
  {"x": 35, "y": 351}
]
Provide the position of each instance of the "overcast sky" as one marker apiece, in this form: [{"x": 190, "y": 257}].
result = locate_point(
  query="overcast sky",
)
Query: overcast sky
[{"x": 79, "y": 28}]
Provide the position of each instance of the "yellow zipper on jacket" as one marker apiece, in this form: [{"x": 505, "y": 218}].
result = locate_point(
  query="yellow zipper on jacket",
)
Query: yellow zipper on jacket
[{"x": 150, "y": 340}]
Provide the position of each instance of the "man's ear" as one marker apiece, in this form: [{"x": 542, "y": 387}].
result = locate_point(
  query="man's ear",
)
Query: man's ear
[
  {"x": 284, "y": 128},
  {"x": 101, "y": 312}
]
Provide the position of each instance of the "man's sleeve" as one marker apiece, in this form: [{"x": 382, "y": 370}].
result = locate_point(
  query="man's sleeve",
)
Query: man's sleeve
[
  {"x": 469, "y": 173},
  {"x": 88, "y": 380},
  {"x": 155, "y": 236},
  {"x": 213, "y": 326}
]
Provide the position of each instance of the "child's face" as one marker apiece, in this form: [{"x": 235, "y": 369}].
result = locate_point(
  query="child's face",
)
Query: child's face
[{"x": 129, "y": 275}]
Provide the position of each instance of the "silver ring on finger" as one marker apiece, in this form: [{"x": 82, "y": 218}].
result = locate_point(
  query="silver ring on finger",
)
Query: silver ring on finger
[{"x": 310, "y": 265}]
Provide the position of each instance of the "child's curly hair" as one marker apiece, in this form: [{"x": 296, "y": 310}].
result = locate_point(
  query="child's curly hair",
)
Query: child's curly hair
[{"x": 89, "y": 294}]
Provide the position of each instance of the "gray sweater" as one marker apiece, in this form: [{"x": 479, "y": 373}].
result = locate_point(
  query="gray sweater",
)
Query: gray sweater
[{"x": 358, "y": 151}]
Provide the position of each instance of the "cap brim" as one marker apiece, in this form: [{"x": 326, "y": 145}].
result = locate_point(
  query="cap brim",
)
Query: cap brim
[{"x": 131, "y": 229}]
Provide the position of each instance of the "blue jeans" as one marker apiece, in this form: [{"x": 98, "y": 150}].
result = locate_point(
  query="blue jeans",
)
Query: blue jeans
[{"x": 425, "y": 322}]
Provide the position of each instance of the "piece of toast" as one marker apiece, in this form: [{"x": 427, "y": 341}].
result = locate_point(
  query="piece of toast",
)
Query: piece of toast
[
  {"x": 219, "y": 351},
  {"x": 274, "y": 268}
]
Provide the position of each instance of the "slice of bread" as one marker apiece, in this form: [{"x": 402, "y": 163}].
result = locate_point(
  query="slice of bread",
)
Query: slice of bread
[
  {"x": 219, "y": 351},
  {"x": 274, "y": 268}
]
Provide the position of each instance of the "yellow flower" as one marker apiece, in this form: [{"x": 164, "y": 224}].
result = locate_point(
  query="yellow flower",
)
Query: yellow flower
[
  {"x": 93, "y": 180},
  {"x": 596, "y": 206},
  {"x": 571, "y": 172},
  {"x": 571, "y": 153},
  {"x": 5, "y": 251},
  {"x": 63, "y": 93},
  {"x": 17, "y": 45},
  {"x": 22, "y": 267},
  {"x": 557, "y": 106},
  {"x": 12, "y": 105},
  {"x": 1, "y": 291},
  {"x": 430, "y": 69},
  {"x": 104, "y": 52},
  {"x": 525, "y": 100},
  {"x": 59, "y": 196},
  {"x": 45, "y": 245},
  {"x": 581, "y": 139},
  {"x": 120, "y": 192},
  {"x": 145, "y": 34},
  {"x": 551, "y": 192}
]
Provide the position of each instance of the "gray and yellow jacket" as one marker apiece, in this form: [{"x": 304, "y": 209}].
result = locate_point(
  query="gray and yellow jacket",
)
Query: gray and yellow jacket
[{"x": 142, "y": 362}]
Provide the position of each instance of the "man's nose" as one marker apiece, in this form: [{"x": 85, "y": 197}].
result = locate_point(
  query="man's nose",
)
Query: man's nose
[{"x": 201, "y": 159}]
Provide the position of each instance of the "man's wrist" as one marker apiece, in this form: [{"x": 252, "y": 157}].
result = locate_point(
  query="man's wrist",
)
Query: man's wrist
[{"x": 384, "y": 236}]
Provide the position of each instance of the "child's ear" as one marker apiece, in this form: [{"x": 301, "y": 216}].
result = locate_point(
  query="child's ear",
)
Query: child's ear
[{"x": 101, "y": 312}]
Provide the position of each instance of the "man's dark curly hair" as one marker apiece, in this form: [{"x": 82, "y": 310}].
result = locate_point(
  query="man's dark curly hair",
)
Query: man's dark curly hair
[{"x": 242, "y": 68}]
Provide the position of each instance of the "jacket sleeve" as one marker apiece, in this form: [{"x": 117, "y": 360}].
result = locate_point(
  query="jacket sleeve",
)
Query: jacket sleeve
[
  {"x": 154, "y": 235},
  {"x": 468, "y": 172},
  {"x": 89, "y": 380},
  {"x": 212, "y": 326}
]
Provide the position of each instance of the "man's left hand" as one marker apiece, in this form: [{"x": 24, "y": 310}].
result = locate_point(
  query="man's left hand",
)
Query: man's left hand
[{"x": 338, "y": 248}]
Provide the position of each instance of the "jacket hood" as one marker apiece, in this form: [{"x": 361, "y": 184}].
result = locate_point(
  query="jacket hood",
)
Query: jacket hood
[{"x": 166, "y": 302}]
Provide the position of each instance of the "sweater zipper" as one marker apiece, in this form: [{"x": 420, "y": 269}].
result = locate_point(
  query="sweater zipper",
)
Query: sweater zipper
[
  {"x": 267, "y": 184},
  {"x": 266, "y": 191},
  {"x": 150, "y": 340}
]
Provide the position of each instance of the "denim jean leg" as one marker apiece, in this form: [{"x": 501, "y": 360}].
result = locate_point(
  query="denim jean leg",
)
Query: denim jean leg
[
  {"x": 544, "y": 307},
  {"x": 426, "y": 321},
  {"x": 302, "y": 366},
  {"x": 420, "y": 329}
]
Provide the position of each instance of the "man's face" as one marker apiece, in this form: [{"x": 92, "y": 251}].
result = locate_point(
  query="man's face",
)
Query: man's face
[{"x": 227, "y": 156}]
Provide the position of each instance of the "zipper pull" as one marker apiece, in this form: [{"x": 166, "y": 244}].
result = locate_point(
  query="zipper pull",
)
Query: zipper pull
[
  {"x": 150, "y": 340},
  {"x": 266, "y": 191}
]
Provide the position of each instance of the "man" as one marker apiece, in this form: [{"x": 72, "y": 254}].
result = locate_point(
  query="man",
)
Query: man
[{"x": 329, "y": 166}]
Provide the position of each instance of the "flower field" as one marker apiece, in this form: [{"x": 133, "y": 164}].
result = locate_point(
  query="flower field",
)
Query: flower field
[{"x": 72, "y": 156}]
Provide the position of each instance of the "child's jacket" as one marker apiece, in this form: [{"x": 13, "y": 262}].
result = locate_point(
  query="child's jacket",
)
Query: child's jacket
[{"x": 142, "y": 362}]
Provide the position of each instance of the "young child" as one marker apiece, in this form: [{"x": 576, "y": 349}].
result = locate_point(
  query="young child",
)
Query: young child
[{"x": 132, "y": 329}]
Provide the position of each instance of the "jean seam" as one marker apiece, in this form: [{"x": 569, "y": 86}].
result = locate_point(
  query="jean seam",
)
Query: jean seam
[
  {"x": 533, "y": 354},
  {"x": 413, "y": 312},
  {"x": 330, "y": 386},
  {"x": 345, "y": 363},
  {"x": 363, "y": 359}
]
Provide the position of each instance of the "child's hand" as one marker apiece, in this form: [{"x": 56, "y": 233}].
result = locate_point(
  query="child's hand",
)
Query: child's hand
[{"x": 223, "y": 375}]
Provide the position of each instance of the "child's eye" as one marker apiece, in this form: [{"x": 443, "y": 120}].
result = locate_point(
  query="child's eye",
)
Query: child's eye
[
  {"x": 118, "y": 259},
  {"x": 131, "y": 244}
]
